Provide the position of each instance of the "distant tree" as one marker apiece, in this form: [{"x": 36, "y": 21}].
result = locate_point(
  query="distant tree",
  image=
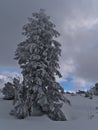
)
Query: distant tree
[
  {"x": 94, "y": 90},
  {"x": 8, "y": 91},
  {"x": 38, "y": 57},
  {"x": 96, "y": 86}
]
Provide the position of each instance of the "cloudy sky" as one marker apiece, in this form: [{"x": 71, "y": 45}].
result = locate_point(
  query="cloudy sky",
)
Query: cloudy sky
[{"x": 76, "y": 20}]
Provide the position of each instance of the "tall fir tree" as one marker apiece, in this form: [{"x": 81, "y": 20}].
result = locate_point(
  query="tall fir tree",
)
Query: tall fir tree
[{"x": 38, "y": 57}]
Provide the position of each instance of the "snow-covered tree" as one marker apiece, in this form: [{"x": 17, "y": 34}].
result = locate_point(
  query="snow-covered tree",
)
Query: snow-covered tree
[
  {"x": 38, "y": 57},
  {"x": 9, "y": 88},
  {"x": 8, "y": 91}
]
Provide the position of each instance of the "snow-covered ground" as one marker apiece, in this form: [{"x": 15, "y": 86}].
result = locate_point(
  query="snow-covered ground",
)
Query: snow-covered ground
[{"x": 81, "y": 115}]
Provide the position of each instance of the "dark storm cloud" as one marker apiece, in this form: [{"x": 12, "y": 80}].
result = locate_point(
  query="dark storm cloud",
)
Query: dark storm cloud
[
  {"x": 77, "y": 21},
  {"x": 13, "y": 15}
]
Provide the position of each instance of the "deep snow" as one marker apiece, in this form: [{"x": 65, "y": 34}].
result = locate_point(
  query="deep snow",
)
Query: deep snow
[{"x": 81, "y": 115}]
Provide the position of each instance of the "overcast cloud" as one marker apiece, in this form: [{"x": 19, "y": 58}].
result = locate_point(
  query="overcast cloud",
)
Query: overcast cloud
[{"x": 76, "y": 20}]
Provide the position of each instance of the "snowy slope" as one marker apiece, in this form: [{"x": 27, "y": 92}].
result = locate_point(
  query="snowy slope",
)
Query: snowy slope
[{"x": 81, "y": 115}]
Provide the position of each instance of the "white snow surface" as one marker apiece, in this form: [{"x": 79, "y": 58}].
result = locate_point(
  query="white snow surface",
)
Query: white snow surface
[{"x": 81, "y": 115}]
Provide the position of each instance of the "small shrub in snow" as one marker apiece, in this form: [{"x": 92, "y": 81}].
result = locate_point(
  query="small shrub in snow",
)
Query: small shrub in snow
[
  {"x": 87, "y": 94},
  {"x": 90, "y": 97}
]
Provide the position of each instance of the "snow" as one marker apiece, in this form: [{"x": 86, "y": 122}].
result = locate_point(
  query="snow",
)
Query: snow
[{"x": 81, "y": 115}]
